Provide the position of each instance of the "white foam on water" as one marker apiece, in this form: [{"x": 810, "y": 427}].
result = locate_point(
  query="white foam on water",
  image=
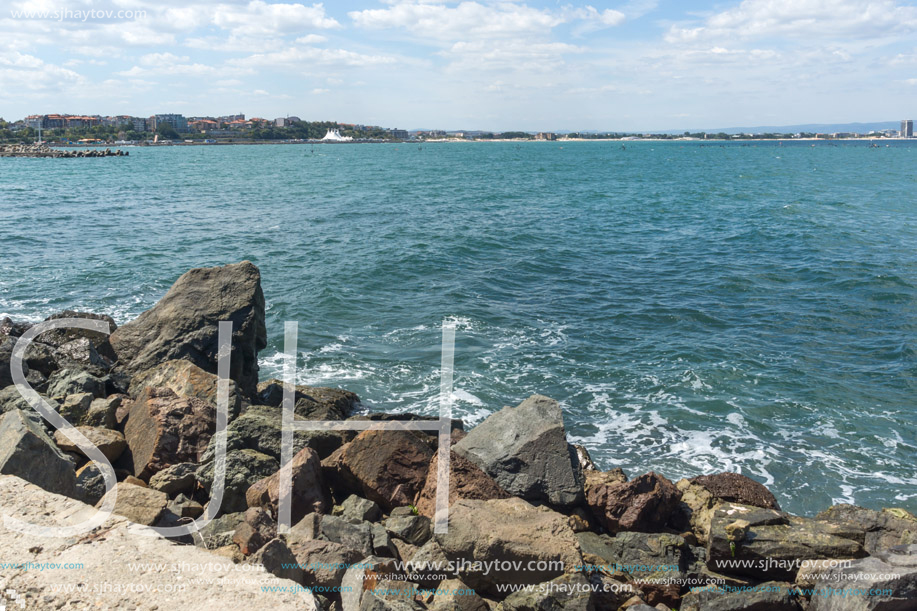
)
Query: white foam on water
[{"x": 466, "y": 397}]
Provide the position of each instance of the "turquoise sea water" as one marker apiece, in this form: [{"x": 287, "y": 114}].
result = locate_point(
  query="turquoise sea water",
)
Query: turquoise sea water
[{"x": 694, "y": 307}]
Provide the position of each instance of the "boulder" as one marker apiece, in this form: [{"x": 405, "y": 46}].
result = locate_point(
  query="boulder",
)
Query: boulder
[
  {"x": 643, "y": 504},
  {"x": 75, "y": 408},
  {"x": 27, "y": 452},
  {"x": 261, "y": 428},
  {"x": 176, "y": 479},
  {"x": 453, "y": 595},
  {"x": 323, "y": 562},
  {"x": 424, "y": 564},
  {"x": 884, "y": 581},
  {"x": 110, "y": 443},
  {"x": 219, "y": 532},
  {"x": 700, "y": 496},
  {"x": 277, "y": 558},
  {"x": 769, "y": 596},
  {"x": 311, "y": 402},
  {"x": 94, "y": 341},
  {"x": 412, "y": 529},
  {"x": 308, "y": 488},
  {"x": 388, "y": 467},
  {"x": 358, "y": 509},
  {"x": 186, "y": 379},
  {"x": 11, "y": 399},
  {"x": 654, "y": 562},
  {"x": 90, "y": 483},
  {"x": 571, "y": 592},
  {"x": 137, "y": 504},
  {"x": 243, "y": 469},
  {"x": 164, "y": 429},
  {"x": 385, "y": 546},
  {"x": 40, "y": 357},
  {"x": 353, "y": 536},
  {"x": 184, "y": 324},
  {"x": 525, "y": 450},
  {"x": 65, "y": 382},
  {"x": 6, "y": 354},
  {"x": 876, "y": 530},
  {"x": 770, "y": 545},
  {"x": 103, "y": 412},
  {"x": 466, "y": 481},
  {"x": 516, "y": 534}
]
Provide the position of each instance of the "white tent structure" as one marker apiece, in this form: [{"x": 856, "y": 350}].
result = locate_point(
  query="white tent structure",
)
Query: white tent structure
[{"x": 334, "y": 135}]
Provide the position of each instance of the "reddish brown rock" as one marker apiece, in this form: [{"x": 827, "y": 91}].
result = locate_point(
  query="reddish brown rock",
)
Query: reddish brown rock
[
  {"x": 390, "y": 467},
  {"x": 187, "y": 380},
  {"x": 257, "y": 529},
  {"x": 308, "y": 489},
  {"x": 466, "y": 481},
  {"x": 643, "y": 504},
  {"x": 735, "y": 488},
  {"x": 164, "y": 429}
]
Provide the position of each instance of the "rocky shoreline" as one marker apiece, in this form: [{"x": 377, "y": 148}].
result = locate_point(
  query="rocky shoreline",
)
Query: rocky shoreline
[
  {"x": 42, "y": 151},
  {"x": 526, "y": 507}
]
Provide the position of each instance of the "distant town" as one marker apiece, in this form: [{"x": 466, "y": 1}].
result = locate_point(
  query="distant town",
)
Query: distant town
[{"x": 79, "y": 130}]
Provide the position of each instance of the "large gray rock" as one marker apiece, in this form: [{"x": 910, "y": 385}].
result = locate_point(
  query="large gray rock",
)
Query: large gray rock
[
  {"x": 770, "y": 545},
  {"x": 186, "y": 379},
  {"x": 769, "y": 596},
  {"x": 886, "y": 581},
  {"x": 260, "y": 428},
  {"x": 354, "y": 536},
  {"x": 323, "y": 562},
  {"x": 108, "y": 554},
  {"x": 525, "y": 450},
  {"x": 876, "y": 530},
  {"x": 571, "y": 592},
  {"x": 243, "y": 469},
  {"x": 65, "y": 382},
  {"x": 110, "y": 443},
  {"x": 11, "y": 399},
  {"x": 508, "y": 530},
  {"x": 175, "y": 479},
  {"x": 311, "y": 402},
  {"x": 138, "y": 504},
  {"x": 277, "y": 558},
  {"x": 26, "y": 451},
  {"x": 184, "y": 324},
  {"x": 6, "y": 354}
]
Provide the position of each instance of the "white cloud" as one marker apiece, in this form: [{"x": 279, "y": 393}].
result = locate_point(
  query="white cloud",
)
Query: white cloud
[
  {"x": 320, "y": 91},
  {"x": 511, "y": 55},
  {"x": 157, "y": 59},
  {"x": 259, "y": 17},
  {"x": 307, "y": 57},
  {"x": 26, "y": 74}
]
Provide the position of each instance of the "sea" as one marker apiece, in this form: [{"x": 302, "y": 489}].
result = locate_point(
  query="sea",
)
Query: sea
[{"x": 695, "y": 307}]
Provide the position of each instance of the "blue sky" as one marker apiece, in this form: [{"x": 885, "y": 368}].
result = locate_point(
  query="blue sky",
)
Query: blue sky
[{"x": 535, "y": 65}]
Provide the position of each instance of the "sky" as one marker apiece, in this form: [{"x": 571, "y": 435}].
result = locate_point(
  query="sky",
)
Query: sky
[{"x": 469, "y": 64}]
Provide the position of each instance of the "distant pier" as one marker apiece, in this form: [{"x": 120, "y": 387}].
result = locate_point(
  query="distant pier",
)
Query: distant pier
[{"x": 38, "y": 150}]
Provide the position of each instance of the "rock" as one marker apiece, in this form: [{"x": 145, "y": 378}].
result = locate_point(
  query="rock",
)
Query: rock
[
  {"x": 6, "y": 354},
  {"x": 261, "y": 428},
  {"x": 277, "y": 558},
  {"x": 186, "y": 379},
  {"x": 774, "y": 544},
  {"x": 243, "y": 469},
  {"x": 415, "y": 530},
  {"x": 885, "y": 581},
  {"x": 876, "y": 530},
  {"x": 184, "y": 324},
  {"x": 137, "y": 504},
  {"x": 219, "y": 532},
  {"x": 736, "y": 488},
  {"x": 811, "y": 570},
  {"x": 516, "y": 532},
  {"x": 358, "y": 509},
  {"x": 164, "y": 429},
  {"x": 307, "y": 529},
  {"x": 308, "y": 489},
  {"x": 583, "y": 458},
  {"x": 110, "y": 443},
  {"x": 75, "y": 408},
  {"x": 453, "y": 595},
  {"x": 466, "y": 481},
  {"x": 655, "y": 563},
  {"x": 40, "y": 357},
  {"x": 61, "y": 337},
  {"x": 10, "y": 399},
  {"x": 27, "y": 452},
  {"x": 107, "y": 556},
  {"x": 175, "y": 479},
  {"x": 323, "y": 562},
  {"x": 81, "y": 353},
  {"x": 248, "y": 538},
  {"x": 65, "y": 382},
  {"x": 643, "y": 504},
  {"x": 383, "y": 544},
  {"x": 183, "y": 507},
  {"x": 354, "y": 536},
  {"x": 525, "y": 450},
  {"x": 365, "y": 575},
  {"x": 90, "y": 483},
  {"x": 311, "y": 402},
  {"x": 770, "y": 596},
  {"x": 424, "y": 562},
  {"x": 102, "y": 412},
  {"x": 389, "y": 467},
  {"x": 571, "y": 592}
]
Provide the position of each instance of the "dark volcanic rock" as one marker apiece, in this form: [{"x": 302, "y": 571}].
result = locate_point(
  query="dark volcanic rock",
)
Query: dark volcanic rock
[
  {"x": 886, "y": 581},
  {"x": 243, "y": 469},
  {"x": 184, "y": 324},
  {"x": 65, "y": 382},
  {"x": 769, "y": 596},
  {"x": 311, "y": 402},
  {"x": 260, "y": 428},
  {"x": 26, "y": 451},
  {"x": 525, "y": 450},
  {"x": 876, "y": 530},
  {"x": 643, "y": 504},
  {"x": 736, "y": 488},
  {"x": 164, "y": 429}
]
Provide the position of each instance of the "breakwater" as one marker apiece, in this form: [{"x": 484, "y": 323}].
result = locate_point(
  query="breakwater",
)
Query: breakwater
[{"x": 36, "y": 150}]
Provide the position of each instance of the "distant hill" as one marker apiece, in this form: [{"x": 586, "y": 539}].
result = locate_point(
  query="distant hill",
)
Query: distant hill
[{"x": 821, "y": 128}]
